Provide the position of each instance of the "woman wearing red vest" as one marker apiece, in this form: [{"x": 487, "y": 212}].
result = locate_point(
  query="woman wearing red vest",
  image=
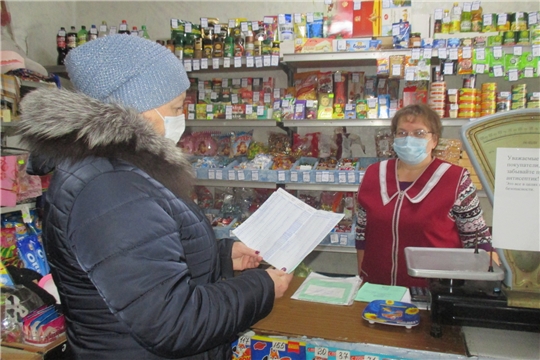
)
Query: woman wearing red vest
[{"x": 414, "y": 200}]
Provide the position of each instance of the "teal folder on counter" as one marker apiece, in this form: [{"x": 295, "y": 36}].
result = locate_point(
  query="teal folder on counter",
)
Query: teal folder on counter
[{"x": 369, "y": 292}]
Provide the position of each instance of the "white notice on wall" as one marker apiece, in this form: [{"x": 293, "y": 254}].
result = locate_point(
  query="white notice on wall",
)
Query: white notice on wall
[{"x": 516, "y": 201}]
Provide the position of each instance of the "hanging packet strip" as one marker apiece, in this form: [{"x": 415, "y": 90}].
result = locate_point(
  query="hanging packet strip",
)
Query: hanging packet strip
[{"x": 32, "y": 254}]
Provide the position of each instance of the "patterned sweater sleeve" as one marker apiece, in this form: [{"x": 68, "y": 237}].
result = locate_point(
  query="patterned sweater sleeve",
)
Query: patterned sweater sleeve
[
  {"x": 360, "y": 228},
  {"x": 468, "y": 215}
]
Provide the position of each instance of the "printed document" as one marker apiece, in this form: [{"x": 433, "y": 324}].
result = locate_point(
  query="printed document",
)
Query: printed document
[
  {"x": 328, "y": 290},
  {"x": 285, "y": 229}
]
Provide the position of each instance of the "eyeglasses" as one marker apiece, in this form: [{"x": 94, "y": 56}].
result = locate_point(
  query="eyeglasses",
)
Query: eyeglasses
[{"x": 420, "y": 134}]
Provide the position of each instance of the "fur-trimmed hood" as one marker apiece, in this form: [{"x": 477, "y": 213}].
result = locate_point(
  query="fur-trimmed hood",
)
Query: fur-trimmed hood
[{"x": 61, "y": 125}]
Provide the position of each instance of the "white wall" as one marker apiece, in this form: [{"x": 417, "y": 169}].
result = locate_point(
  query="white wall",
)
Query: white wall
[{"x": 35, "y": 23}]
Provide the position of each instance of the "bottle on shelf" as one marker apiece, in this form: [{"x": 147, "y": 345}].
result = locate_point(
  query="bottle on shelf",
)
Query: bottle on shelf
[
  {"x": 189, "y": 47},
  {"x": 93, "y": 33},
  {"x": 445, "y": 26},
  {"x": 476, "y": 17},
  {"x": 71, "y": 39},
  {"x": 238, "y": 45},
  {"x": 144, "y": 32},
  {"x": 466, "y": 18},
  {"x": 249, "y": 44},
  {"x": 134, "y": 31},
  {"x": 207, "y": 43},
  {"x": 228, "y": 47},
  {"x": 82, "y": 35},
  {"x": 197, "y": 48},
  {"x": 123, "y": 28},
  {"x": 61, "y": 46},
  {"x": 455, "y": 19},
  {"x": 218, "y": 46},
  {"x": 103, "y": 29}
]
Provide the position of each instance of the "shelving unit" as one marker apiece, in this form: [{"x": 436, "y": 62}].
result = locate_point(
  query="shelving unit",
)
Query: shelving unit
[{"x": 18, "y": 207}]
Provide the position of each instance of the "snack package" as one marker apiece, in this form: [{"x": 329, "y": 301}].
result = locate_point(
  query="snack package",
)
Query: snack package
[
  {"x": 204, "y": 144},
  {"x": 306, "y": 85},
  {"x": 240, "y": 142},
  {"x": 355, "y": 89},
  {"x": 326, "y": 106},
  {"x": 223, "y": 144},
  {"x": 279, "y": 143}
]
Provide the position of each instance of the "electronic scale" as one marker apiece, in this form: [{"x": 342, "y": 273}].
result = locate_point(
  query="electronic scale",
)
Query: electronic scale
[{"x": 466, "y": 287}]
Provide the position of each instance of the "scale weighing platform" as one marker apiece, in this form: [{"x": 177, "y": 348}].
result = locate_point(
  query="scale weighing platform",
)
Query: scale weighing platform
[{"x": 467, "y": 288}]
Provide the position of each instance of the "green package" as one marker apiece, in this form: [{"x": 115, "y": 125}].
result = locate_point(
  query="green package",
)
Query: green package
[
  {"x": 481, "y": 60},
  {"x": 511, "y": 65},
  {"x": 496, "y": 65},
  {"x": 528, "y": 65}
]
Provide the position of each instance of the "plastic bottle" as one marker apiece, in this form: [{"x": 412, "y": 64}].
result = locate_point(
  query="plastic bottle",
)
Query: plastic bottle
[
  {"x": 82, "y": 35},
  {"x": 179, "y": 45},
  {"x": 134, "y": 31},
  {"x": 455, "y": 19},
  {"x": 238, "y": 46},
  {"x": 61, "y": 46},
  {"x": 123, "y": 28},
  {"x": 71, "y": 39},
  {"x": 145, "y": 32},
  {"x": 476, "y": 19},
  {"x": 249, "y": 44},
  {"x": 445, "y": 27},
  {"x": 103, "y": 29},
  {"x": 93, "y": 33},
  {"x": 228, "y": 47},
  {"x": 466, "y": 18}
]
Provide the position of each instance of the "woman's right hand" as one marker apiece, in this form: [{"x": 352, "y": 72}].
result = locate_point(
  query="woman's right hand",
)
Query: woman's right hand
[{"x": 281, "y": 281}]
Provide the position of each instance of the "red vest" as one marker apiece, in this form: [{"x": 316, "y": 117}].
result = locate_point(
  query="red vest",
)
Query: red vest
[{"x": 418, "y": 216}]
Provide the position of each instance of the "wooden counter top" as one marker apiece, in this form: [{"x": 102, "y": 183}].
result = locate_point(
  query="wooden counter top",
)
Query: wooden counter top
[{"x": 344, "y": 323}]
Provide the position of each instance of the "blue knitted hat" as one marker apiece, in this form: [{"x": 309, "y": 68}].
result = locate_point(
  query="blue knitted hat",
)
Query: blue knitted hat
[{"x": 129, "y": 70}]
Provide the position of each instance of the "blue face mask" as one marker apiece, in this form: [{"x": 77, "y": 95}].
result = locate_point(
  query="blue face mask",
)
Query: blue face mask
[{"x": 411, "y": 150}]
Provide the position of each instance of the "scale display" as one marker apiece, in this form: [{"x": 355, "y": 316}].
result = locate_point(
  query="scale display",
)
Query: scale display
[{"x": 481, "y": 138}]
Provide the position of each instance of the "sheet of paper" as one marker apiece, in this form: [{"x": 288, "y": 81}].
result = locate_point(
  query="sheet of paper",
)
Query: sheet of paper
[
  {"x": 285, "y": 229},
  {"x": 369, "y": 292},
  {"x": 328, "y": 290},
  {"x": 516, "y": 197}
]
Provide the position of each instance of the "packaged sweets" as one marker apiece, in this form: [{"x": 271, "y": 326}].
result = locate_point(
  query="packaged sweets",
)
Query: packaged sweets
[
  {"x": 325, "y": 106},
  {"x": 355, "y": 89},
  {"x": 240, "y": 142}
]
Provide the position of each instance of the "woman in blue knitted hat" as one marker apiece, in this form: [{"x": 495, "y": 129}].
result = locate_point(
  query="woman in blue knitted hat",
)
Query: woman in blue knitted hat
[{"x": 139, "y": 272}]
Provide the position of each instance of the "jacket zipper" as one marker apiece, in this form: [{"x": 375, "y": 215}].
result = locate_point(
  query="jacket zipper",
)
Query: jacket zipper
[{"x": 395, "y": 238}]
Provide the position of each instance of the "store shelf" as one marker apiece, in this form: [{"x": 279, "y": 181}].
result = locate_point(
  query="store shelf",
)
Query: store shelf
[
  {"x": 323, "y": 187},
  {"x": 332, "y": 59},
  {"x": 233, "y": 123},
  {"x": 18, "y": 207},
  {"x": 234, "y": 183},
  {"x": 360, "y": 122},
  {"x": 336, "y": 249},
  {"x": 207, "y": 65}
]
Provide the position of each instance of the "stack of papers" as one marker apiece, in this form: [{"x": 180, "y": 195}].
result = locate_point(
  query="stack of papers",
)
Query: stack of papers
[
  {"x": 369, "y": 292},
  {"x": 285, "y": 230},
  {"x": 328, "y": 290}
]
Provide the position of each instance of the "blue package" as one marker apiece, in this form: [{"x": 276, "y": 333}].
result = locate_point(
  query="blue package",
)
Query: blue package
[
  {"x": 439, "y": 43},
  {"x": 453, "y": 43},
  {"x": 315, "y": 28},
  {"x": 32, "y": 254},
  {"x": 401, "y": 40}
]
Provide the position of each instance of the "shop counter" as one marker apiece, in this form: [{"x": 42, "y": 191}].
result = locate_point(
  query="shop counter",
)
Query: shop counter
[{"x": 297, "y": 319}]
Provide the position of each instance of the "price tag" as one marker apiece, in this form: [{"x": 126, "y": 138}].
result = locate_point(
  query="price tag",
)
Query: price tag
[
  {"x": 309, "y": 18},
  {"x": 427, "y": 53},
  {"x": 351, "y": 177},
  {"x": 232, "y": 23},
  {"x": 219, "y": 174},
  {"x": 467, "y": 7},
  {"x": 321, "y": 353},
  {"x": 204, "y": 63},
  {"x": 191, "y": 107},
  {"x": 396, "y": 70},
  {"x": 501, "y": 19},
  {"x": 341, "y": 45},
  {"x": 224, "y": 82},
  {"x": 187, "y": 27},
  {"x": 217, "y": 29},
  {"x": 438, "y": 14},
  {"x": 294, "y": 176},
  {"x": 498, "y": 71},
  {"x": 415, "y": 54},
  {"x": 201, "y": 95},
  {"x": 260, "y": 110},
  {"x": 196, "y": 65},
  {"x": 187, "y": 65},
  {"x": 297, "y": 18},
  {"x": 325, "y": 176},
  {"x": 528, "y": 72},
  {"x": 533, "y": 18},
  {"x": 211, "y": 174},
  {"x": 237, "y": 82},
  {"x": 204, "y": 22},
  {"x": 249, "y": 109},
  {"x": 306, "y": 177},
  {"x": 480, "y": 68},
  {"x": 255, "y": 25},
  {"x": 244, "y": 82},
  {"x": 466, "y": 52},
  {"x": 299, "y": 108},
  {"x": 228, "y": 111},
  {"x": 372, "y": 103},
  {"x": 513, "y": 75},
  {"x": 357, "y": 5},
  {"x": 200, "y": 85},
  {"x": 281, "y": 176},
  {"x": 281, "y": 19},
  {"x": 487, "y": 19},
  {"x": 209, "y": 108},
  {"x": 256, "y": 96},
  {"x": 337, "y": 76},
  {"x": 348, "y": 107},
  {"x": 244, "y": 26},
  {"x": 442, "y": 53},
  {"x": 449, "y": 68},
  {"x": 328, "y": 2},
  {"x": 234, "y": 98},
  {"x": 232, "y": 175},
  {"x": 267, "y": 98},
  {"x": 386, "y": 4},
  {"x": 395, "y": 30},
  {"x": 250, "y": 61},
  {"x": 355, "y": 77},
  {"x": 268, "y": 20},
  {"x": 240, "y": 175},
  {"x": 191, "y": 116},
  {"x": 453, "y": 52},
  {"x": 457, "y": 10},
  {"x": 497, "y": 52},
  {"x": 112, "y": 30},
  {"x": 237, "y": 61},
  {"x": 277, "y": 93},
  {"x": 518, "y": 50},
  {"x": 174, "y": 25},
  {"x": 475, "y": 5},
  {"x": 371, "y": 357},
  {"x": 266, "y": 60},
  {"x": 215, "y": 63},
  {"x": 310, "y": 103},
  {"x": 342, "y": 178},
  {"x": 255, "y": 175},
  {"x": 258, "y": 62},
  {"x": 409, "y": 74},
  {"x": 274, "y": 60},
  {"x": 213, "y": 95},
  {"x": 536, "y": 50},
  {"x": 480, "y": 53},
  {"x": 343, "y": 355}
]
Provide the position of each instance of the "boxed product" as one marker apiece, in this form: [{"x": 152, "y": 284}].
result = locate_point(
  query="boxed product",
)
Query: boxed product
[
  {"x": 316, "y": 45},
  {"x": 392, "y": 15}
]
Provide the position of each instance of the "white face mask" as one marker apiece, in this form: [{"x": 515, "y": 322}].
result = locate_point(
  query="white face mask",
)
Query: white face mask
[{"x": 174, "y": 126}]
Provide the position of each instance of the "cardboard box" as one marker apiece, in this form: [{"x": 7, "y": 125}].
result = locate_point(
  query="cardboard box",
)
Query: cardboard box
[
  {"x": 316, "y": 46},
  {"x": 394, "y": 15},
  {"x": 350, "y": 19}
]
